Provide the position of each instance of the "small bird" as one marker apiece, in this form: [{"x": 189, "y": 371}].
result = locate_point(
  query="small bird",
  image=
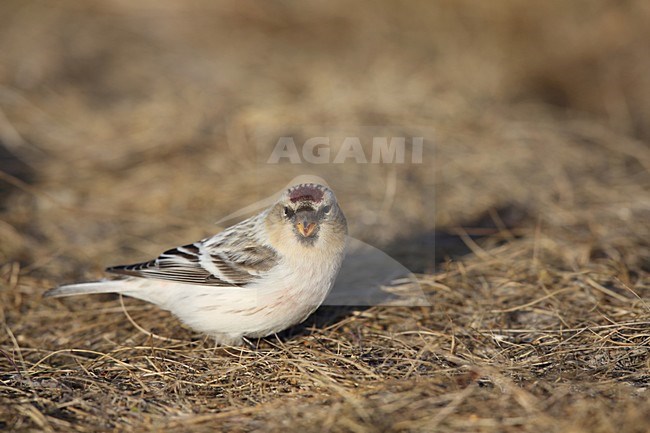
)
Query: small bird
[{"x": 254, "y": 279}]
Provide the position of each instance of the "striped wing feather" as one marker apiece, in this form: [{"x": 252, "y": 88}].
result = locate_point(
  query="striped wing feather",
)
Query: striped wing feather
[{"x": 229, "y": 259}]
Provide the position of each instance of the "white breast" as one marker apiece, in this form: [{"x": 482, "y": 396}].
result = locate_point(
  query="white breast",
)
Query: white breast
[{"x": 285, "y": 296}]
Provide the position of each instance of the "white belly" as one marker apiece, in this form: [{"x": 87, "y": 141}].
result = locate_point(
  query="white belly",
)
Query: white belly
[{"x": 278, "y": 301}]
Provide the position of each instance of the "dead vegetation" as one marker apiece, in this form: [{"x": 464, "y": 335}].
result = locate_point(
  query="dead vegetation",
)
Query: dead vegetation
[{"x": 527, "y": 222}]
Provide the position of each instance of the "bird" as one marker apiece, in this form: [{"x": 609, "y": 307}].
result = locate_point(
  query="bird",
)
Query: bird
[{"x": 251, "y": 280}]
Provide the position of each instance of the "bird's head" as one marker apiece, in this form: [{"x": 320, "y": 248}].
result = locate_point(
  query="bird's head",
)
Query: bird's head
[{"x": 310, "y": 214}]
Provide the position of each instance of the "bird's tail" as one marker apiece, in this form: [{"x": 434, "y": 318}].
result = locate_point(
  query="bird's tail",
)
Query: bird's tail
[{"x": 108, "y": 286}]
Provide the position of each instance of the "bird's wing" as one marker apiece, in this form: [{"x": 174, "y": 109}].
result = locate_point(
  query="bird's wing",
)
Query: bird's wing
[{"x": 231, "y": 258}]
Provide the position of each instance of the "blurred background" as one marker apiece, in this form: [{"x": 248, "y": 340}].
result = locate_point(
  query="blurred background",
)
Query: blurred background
[{"x": 130, "y": 127}]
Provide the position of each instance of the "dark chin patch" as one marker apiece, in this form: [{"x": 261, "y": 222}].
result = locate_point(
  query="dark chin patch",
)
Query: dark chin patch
[
  {"x": 311, "y": 240},
  {"x": 306, "y": 192}
]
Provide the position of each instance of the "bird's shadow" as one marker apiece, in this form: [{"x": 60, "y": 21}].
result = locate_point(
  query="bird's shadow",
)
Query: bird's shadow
[{"x": 367, "y": 270}]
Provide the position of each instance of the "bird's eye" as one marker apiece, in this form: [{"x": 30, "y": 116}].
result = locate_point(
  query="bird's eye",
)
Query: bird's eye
[
  {"x": 287, "y": 211},
  {"x": 327, "y": 209}
]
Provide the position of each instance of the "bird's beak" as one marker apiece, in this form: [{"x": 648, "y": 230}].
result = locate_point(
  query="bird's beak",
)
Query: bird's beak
[{"x": 306, "y": 224}]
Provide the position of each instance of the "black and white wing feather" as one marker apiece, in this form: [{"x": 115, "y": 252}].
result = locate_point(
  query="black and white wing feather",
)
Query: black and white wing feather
[{"x": 232, "y": 258}]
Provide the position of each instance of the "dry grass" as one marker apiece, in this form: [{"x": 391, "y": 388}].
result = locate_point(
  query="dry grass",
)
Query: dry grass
[{"x": 527, "y": 223}]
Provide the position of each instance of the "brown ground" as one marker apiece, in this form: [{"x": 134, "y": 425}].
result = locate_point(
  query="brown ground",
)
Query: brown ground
[{"x": 139, "y": 126}]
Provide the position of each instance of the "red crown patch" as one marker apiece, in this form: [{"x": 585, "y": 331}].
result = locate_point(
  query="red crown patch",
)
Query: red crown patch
[{"x": 306, "y": 192}]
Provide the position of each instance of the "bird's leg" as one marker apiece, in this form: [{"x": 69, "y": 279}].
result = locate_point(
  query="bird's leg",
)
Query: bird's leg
[{"x": 249, "y": 343}]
